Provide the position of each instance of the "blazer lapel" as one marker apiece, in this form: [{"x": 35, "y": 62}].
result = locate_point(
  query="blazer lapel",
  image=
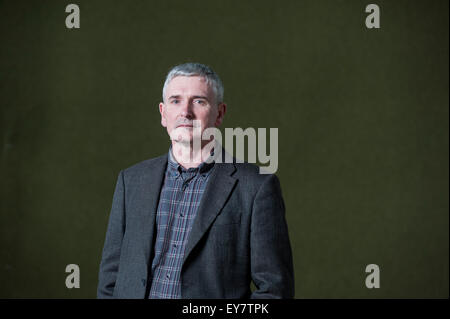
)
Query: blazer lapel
[
  {"x": 217, "y": 191},
  {"x": 151, "y": 183}
]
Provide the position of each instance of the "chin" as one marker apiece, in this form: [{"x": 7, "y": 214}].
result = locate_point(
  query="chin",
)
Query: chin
[
  {"x": 185, "y": 140},
  {"x": 181, "y": 138},
  {"x": 182, "y": 135}
]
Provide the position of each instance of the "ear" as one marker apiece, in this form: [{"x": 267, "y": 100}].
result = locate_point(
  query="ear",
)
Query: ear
[
  {"x": 163, "y": 114},
  {"x": 222, "y": 109}
]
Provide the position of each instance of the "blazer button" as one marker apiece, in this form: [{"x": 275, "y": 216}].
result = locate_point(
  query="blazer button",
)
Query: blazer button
[{"x": 144, "y": 282}]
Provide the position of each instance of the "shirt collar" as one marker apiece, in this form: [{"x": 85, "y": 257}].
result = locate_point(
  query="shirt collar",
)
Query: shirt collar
[{"x": 204, "y": 168}]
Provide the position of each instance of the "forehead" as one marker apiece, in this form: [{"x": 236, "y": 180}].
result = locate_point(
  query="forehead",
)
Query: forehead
[{"x": 188, "y": 85}]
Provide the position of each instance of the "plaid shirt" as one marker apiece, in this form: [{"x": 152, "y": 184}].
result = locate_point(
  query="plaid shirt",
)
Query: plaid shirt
[{"x": 180, "y": 198}]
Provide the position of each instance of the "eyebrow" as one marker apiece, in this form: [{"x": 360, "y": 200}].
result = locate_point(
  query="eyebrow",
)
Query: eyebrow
[
  {"x": 200, "y": 97},
  {"x": 194, "y": 97}
]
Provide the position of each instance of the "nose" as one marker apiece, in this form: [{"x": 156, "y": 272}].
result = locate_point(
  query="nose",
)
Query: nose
[{"x": 186, "y": 110}]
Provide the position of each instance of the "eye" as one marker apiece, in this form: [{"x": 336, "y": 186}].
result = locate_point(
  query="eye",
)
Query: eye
[
  {"x": 175, "y": 101},
  {"x": 201, "y": 102}
]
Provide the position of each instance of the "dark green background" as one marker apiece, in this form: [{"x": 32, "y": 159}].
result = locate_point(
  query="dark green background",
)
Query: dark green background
[{"x": 362, "y": 117}]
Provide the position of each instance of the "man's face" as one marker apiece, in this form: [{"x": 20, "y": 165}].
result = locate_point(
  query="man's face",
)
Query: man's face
[{"x": 187, "y": 99}]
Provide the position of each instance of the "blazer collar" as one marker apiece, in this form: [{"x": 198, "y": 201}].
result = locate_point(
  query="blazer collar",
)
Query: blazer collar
[{"x": 217, "y": 191}]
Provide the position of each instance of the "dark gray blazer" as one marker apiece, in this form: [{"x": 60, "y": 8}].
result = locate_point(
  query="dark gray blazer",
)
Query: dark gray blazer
[{"x": 239, "y": 234}]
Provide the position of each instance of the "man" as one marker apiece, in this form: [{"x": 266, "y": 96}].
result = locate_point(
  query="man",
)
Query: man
[{"x": 195, "y": 226}]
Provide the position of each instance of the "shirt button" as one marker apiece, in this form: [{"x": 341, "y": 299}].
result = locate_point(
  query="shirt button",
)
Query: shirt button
[{"x": 168, "y": 276}]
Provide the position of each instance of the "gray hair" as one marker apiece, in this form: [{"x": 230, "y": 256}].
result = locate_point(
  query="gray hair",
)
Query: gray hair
[{"x": 197, "y": 69}]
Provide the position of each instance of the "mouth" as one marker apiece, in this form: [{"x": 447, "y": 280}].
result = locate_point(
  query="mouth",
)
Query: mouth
[{"x": 185, "y": 125}]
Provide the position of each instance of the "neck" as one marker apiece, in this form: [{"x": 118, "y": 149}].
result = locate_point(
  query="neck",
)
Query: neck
[{"x": 188, "y": 156}]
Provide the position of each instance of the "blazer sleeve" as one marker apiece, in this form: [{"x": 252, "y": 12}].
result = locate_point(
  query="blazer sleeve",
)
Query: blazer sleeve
[
  {"x": 271, "y": 255},
  {"x": 109, "y": 265}
]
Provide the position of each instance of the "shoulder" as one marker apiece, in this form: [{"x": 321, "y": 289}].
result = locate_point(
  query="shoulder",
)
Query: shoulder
[
  {"x": 147, "y": 165},
  {"x": 254, "y": 177},
  {"x": 245, "y": 171}
]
